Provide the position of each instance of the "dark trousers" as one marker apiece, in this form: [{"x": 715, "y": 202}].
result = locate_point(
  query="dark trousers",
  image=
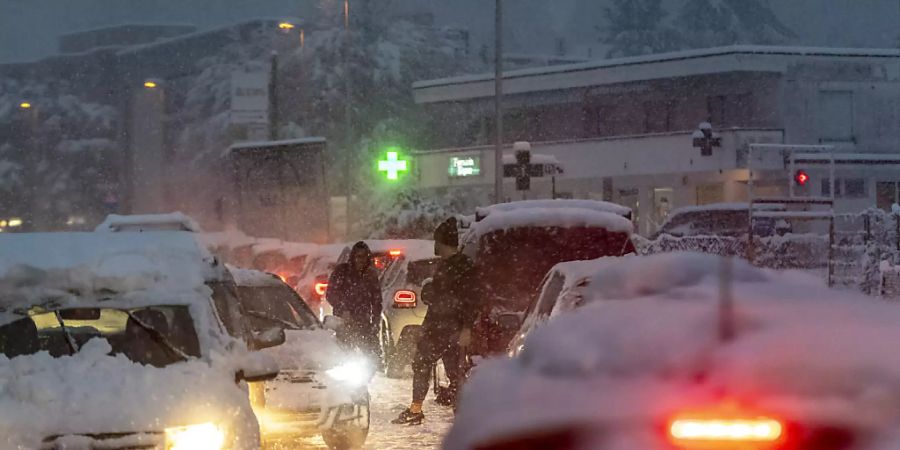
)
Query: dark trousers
[{"x": 434, "y": 345}]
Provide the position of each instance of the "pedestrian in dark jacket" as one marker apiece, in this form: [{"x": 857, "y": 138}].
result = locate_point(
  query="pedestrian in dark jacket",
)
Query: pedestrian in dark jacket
[
  {"x": 354, "y": 293},
  {"x": 448, "y": 322}
]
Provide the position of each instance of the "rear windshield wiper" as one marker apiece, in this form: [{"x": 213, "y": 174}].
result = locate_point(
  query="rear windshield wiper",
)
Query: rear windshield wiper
[
  {"x": 73, "y": 347},
  {"x": 159, "y": 338}
]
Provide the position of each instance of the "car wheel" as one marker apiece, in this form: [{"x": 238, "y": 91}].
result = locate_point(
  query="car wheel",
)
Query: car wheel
[{"x": 351, "y": 427}]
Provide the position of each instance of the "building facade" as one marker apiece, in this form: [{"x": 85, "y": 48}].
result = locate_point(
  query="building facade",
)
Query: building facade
[{"x": 623, "y": 128}]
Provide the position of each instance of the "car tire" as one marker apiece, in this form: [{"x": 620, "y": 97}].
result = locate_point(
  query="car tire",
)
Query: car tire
[{"x": 351, "y": 435}]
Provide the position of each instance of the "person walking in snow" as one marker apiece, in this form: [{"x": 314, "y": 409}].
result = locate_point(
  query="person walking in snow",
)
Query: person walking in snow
[
  {"x": 448, "y": 322},
  {"x": 354, "y": 293}
]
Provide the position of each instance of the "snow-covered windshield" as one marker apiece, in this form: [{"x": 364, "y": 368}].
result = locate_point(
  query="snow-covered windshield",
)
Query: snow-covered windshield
[
  {"x": 156, "y": 335},
  {"x": 275, "y": 306}
]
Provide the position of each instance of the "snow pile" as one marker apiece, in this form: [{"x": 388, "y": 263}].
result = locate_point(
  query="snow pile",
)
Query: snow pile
[
  {"x": 645, "y": 347},
  {"x": 92, "y": 392},
  {"x": 254, "y": 278},
  {"x": 176, "y": 221}
]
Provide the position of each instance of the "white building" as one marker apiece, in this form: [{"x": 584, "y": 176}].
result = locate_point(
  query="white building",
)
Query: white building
[{"x": 622, "y": 128}]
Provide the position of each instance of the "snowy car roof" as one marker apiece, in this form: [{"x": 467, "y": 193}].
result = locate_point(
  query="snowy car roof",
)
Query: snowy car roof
[
  {"x": 801, "y": 352},
  {"x": 166, "y": 265},
  {"x": 175, "y": 221},
  {"x": 595, "y": 205},
  {"x": 253, "y": 278},
  {"x": 551, "y": 217}
]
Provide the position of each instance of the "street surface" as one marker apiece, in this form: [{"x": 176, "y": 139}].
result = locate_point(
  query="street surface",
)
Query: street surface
[{"x": 389, "y": 398}]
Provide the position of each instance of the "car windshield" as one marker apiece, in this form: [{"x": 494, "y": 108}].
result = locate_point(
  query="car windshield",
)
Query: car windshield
[
  {"x": 275, "y": 306},
  {"x": 156, "y": 335}
]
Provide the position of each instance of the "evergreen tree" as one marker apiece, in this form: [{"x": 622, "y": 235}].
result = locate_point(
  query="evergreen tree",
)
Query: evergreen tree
[
  {"x": 711, "y": 23},
  {"x": 638, "y": 27}
]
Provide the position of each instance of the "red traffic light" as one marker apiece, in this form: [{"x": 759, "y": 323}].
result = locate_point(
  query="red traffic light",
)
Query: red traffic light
[{"x": 801, "y": 177}]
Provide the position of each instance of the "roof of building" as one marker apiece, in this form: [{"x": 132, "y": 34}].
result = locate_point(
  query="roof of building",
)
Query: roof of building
[{"x": 745, "y": 58}]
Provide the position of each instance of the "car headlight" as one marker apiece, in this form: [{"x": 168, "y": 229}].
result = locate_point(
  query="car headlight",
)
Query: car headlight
[
  {"x": 205, "y": 436},
  {"x": 356, "y": 372}
]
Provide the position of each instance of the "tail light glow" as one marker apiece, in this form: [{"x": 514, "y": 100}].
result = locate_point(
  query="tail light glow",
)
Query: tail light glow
[
  {"x": 695, "y": 430},
  {"x": 320, "y": 288},
  {"x": 395, "y": 253},
  {"x": 404, "y": 299}
]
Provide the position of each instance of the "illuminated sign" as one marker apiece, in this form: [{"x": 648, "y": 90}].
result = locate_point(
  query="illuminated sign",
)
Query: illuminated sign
[
  {"x": 465, "y": 166},
  {"x": 393, "y": 165}
]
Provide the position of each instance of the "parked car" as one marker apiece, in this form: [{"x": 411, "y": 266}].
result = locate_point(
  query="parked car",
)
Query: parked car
[
  {"x": 513, "y": 250},
  {"x": 654, "y": 359},
  {"x": 124, "y": 340},
  {"x": 403, "y": 311},
  {"x": 313, "y": 284},
  {"x": 320, "y": 389},
  {"x": 722, "y": 219}
]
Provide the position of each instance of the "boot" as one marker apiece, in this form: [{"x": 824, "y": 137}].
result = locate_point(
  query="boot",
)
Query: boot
[{"x": 408, "y": 417}]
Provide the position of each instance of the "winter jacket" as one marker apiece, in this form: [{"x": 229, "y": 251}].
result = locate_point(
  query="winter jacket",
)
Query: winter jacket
[
  {"x": 451, "y": 295},
  {"x": 355, "y": 295}
]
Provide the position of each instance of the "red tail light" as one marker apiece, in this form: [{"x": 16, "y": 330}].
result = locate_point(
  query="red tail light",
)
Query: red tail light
[
  {"x": 758, "y": 432},
  {"x": 395, "y": 253},
  {"x": 404, "y": 299},
  {"x": 321, "y": 288}
]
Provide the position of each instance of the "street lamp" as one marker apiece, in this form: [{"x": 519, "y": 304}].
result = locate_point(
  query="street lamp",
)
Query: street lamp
[
  {"x": 151, "y": 84},
  {"x": 25, "y": 105},
  {"x": 286, "y": 26}
]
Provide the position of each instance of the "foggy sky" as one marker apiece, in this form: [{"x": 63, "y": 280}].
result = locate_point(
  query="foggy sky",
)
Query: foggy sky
[{"x": 29, "y": 28}]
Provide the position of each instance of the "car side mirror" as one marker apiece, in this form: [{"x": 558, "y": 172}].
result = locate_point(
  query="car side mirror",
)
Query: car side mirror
[
  {"x": 509, "y": 322},
  {"x": 271, "y": 337},
  {"x": 257, "y": 367},
  {"x": 333, "y": 323}
]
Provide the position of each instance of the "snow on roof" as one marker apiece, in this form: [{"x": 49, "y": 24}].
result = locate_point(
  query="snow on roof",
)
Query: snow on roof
[
  {"x": 270, "y": 144},
  {"x": 725, "y": 207},
  {"x": 231, "y": 238},
  {"x": 801, "y": 352},
  {"x": 166, "y": 262},
  {"x": 594, "y": 205},
  {"x": 176, "y": 221},
  {"x": 536, "y": 158},
  {"x": 669, "y": 56},
  {"x": 254, "y": 278},
  {"x": 846, "y": 158}
]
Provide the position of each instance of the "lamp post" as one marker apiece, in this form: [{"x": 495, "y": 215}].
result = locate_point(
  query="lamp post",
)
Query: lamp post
[
  {"x": 348, "y": 126},
  {"x": 30, "y": 117},
  {"x": 498, "y": 105}
]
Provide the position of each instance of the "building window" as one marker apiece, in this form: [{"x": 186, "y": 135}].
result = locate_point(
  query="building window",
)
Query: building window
[
  {"x": 846, "y": 187},
  {"x": 836, "y": 116},
  {"x": 886, "y": 194}
]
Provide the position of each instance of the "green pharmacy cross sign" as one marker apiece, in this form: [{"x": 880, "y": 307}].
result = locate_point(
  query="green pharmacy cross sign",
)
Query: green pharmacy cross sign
[{"x": 392, "y": 165}]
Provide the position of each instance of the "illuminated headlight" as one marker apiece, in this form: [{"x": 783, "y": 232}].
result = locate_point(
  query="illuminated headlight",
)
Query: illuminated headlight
[
  {"x": 205, "y": 436},
  {"x": 355, "y": 373}
]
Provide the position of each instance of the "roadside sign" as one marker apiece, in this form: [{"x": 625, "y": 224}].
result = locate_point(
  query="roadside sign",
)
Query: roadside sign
[{"x": 250, "y": 96}]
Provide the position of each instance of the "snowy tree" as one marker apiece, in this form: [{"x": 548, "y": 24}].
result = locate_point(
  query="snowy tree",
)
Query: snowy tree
[
  {"x": 710, "y": 23},
  {"x": 638, "y": 27}
]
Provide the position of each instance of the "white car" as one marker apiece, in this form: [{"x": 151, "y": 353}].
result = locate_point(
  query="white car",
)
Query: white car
[
  {"x": 669, "y": 352},
  {"x": 320, "y": 389},
  {"x": 403, "y": 309},
  {"x": 123, "y": 340}
]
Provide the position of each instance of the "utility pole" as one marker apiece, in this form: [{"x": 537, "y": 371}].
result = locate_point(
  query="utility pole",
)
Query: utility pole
[
  {"x": 273, "y": 98},
  {"x": 348, "y": 126},
  {"x": 498, "y": 106}
]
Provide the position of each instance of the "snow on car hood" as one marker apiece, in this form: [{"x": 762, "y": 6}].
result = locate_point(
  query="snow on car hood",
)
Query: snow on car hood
[
  {"x": 645, "y": 346},
  {"x": 308, "y": 350},
  {"x": 92, "y": 392}
]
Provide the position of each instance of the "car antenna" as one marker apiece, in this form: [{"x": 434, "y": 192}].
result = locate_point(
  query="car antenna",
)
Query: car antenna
[{"x": 726, "y": 300}]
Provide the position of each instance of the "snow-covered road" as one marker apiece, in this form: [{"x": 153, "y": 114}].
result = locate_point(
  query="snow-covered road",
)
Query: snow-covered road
[{"x": 389, "y": 397}]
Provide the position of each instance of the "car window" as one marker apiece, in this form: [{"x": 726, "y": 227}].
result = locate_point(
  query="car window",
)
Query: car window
[
  {"x": 228, "y": 308},
  {"x": 275, "y": 306},
  {"x": 155, "y": 335},
  {"x": 550, "y": 294}
]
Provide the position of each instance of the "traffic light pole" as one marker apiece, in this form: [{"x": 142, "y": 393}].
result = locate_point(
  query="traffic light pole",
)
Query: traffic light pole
[{"x": 498, "y": 106}]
